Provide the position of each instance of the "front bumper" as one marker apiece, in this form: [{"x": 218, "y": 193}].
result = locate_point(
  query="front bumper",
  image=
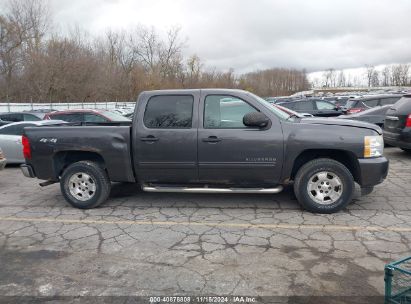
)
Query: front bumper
[
  {"x": 2, "y": 163},
  {"x": 27, "y": 170},
  {"x": 373, "y": 171}
]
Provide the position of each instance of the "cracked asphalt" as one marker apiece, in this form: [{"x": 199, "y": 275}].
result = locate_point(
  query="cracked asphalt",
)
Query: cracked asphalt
[{"x": 200, "y": 244}]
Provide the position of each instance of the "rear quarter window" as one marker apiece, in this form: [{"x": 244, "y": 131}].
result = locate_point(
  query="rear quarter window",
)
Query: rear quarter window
[
  {"x": 31, "y": 117},
  {"x": 371, "y": 103},
  {"x": 389, "y": 101}
]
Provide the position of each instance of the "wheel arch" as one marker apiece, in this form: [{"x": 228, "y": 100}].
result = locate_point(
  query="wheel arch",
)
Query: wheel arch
[
  {"x": 63, "y": 159},
  {"x": 345, "y": 157}
]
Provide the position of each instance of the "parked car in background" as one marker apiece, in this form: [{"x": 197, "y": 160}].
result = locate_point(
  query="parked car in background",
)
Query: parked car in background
[
  {"x": 314, "y": 107},
  {"x": 358, "y": 104},
  {"x": 86, "y": 116},
  {"x": 397, "y": 127},
  {"x": 291, "y": 112},
  {"x": 374, "y": 115},
  {"x": 11, "y": 138},
  {"x": 2, "y": 160},
  {"x": 2, "y": 122},
  {"x": 120, "y": 111},
  {"x": 129, "y": 115},
  {"x": 279, "y": 99},
  {"x": 22, "y": 116}
]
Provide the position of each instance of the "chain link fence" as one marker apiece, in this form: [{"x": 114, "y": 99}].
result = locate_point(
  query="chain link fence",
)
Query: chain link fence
[{"x": 19, "y": 107}]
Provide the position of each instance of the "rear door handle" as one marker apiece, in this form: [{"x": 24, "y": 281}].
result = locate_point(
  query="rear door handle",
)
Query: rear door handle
[
  {"x": 150, "y": 138},
  {"x": 211, "y": 139}
]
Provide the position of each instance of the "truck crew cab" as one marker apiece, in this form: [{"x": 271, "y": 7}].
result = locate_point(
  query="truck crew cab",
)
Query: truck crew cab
[{"x": 210, "y": 140}]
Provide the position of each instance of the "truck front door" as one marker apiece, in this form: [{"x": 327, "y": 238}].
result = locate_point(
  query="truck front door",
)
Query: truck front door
[
  {"x": 230, "y": 152},
  {"x": 165, "y": 138}
]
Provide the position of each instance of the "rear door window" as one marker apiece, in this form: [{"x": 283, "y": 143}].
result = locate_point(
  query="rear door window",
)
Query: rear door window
[
  {"x": 169, "y": 112},
  {"x": 304, "y": 106},
  {"x": 288, "y": 105},
  {"x": 322, "y": 105},
  {"x": 94, "y": 118},
  {"x": 75, "y": 117}
]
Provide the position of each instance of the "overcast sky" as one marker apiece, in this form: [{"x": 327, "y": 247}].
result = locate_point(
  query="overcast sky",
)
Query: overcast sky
[{"x": 248, "y": 35}]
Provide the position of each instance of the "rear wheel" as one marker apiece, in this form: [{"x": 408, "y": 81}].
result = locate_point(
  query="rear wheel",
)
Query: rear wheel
[
  {"x": 85, "y": 185},
  {"x": 324, "y": 186}
]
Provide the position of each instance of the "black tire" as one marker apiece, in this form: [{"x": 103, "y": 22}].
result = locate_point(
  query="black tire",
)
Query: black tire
[
  {"x": 99, "y": 179},
  {"x": 318, "y": 165},
  {"x": 406, "y": 150}
]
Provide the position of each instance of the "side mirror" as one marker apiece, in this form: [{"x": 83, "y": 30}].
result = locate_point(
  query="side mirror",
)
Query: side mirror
[{"x": 255, "y": 119}]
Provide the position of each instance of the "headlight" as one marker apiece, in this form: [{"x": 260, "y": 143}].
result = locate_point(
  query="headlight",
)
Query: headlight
[{"x": 373, "y": 146}]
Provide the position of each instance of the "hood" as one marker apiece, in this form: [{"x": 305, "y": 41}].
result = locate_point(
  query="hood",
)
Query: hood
[{"x": 341, "y": 122}]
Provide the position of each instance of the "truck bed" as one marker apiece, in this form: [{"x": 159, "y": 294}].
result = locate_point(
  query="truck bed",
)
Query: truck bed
[{"x": 109, "y": 141}]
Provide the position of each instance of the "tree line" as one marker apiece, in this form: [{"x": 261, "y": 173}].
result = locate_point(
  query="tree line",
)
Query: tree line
[
  {"x": 41, "y": 65},
  {"x": 389, "y": 75}
]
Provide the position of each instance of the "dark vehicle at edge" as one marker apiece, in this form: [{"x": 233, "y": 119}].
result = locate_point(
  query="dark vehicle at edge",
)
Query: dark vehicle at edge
[
  {"x": 397, "y": 127},
  {"x": 210, "y": 141},
  {"x": 358, "y": 104},
  {"x": 374, "y": 115}
]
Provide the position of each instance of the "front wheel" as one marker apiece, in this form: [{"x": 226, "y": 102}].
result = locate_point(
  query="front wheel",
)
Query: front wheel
[
  {"x": 324, "y": 186},
  {"x": 406, "y": 150},
  {"x": 85, "y": 185}
]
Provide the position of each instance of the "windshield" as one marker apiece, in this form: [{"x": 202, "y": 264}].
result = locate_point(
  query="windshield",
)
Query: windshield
[
  {"x": 114, "y": 116},
  {"x": 280, "y": 113}
]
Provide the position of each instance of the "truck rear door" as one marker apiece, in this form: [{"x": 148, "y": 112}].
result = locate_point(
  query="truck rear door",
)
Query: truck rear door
[{"x": 165, "y": 138}]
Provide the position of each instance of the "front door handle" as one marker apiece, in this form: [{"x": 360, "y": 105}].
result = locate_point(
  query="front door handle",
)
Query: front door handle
[
  {"x": 211, "y": 139},
  {"x": 149, "y": 138}
]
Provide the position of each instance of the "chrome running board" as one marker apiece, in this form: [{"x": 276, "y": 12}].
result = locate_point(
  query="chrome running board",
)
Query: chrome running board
[{"x": 211, "y": 190}]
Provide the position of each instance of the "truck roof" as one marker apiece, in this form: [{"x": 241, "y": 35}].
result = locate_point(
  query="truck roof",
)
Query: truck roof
[{"x": 186, "y": 91}]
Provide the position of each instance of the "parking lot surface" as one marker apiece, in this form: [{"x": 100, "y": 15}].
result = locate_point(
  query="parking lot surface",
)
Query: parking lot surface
[{"x": 166, "y": 244}]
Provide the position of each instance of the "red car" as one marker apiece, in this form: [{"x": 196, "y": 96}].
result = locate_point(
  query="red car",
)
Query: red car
[{"x": 86, "y": 116}]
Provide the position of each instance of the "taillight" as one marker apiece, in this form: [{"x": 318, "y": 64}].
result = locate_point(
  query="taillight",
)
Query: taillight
[
  {"x": 354, "y": 110},
  {"x": 408, "y": 122},
  {"x": 26, "y": 147}
]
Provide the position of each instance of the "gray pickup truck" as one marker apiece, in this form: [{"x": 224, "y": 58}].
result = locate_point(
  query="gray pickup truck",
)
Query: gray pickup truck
[{"x": 210, "y": 141}]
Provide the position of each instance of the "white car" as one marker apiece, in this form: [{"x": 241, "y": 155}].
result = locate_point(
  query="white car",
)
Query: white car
[{"x": 10, "y": 138}]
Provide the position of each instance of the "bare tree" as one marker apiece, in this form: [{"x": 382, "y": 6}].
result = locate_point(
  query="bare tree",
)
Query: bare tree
[
  {"x": 375, "y": 79},
  {"x": 341, "y": 82},
  {"x": 369, "y": 71},
  {"x": 386, "y": 75}
]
